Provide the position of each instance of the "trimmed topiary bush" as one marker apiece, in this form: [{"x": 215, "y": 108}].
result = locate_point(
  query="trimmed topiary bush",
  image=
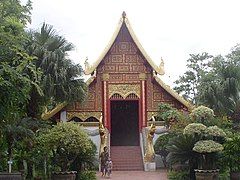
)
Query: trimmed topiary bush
[{"x": 65, "y": 142}]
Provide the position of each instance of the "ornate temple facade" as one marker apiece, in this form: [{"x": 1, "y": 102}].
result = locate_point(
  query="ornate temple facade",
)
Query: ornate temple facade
[
  {"x": 124, "y": 72},
  {"x": 124, "y": 90}
]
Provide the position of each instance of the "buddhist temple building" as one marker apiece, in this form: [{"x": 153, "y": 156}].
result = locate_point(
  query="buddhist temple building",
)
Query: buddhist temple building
[{"x": 124, "y": 92}]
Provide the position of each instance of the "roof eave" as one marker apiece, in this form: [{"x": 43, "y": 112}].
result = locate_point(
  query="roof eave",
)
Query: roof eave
[
  {"x": 48, "y": 114},
  {"x": 174, "y": 93}
]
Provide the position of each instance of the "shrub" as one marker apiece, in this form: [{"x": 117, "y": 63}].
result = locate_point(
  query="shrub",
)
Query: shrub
[
  {"x": 215, "y": 131},
  {"x": 202, "y": 114},
  {"x": 168, "y": 113},
  {"x": 207, "y": 146},
  {"x": 66, "y": 141},
  {"x": 160, "y": 146},
  {"x": 87, "y": 175},
  {"x": 176, "y": 175},
  {"x": 194, "y": 128},
  {"x": 232, "y": 153}
]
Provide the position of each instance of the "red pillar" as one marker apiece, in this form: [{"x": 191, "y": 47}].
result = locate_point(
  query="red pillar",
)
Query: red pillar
[
  {"x": 143, "y": 103},
  {"x": 105, "y": 100}
]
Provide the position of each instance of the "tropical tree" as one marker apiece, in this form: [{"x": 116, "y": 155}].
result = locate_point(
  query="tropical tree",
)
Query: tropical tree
[
  {"x": 14, "y": 61},
  {"x": 17, "y": 75},
  {"x": 60, "y": 79},
  {"x": 220, "y": 87},
  {"x": 214, "y": 82},
  {"x": 188, "y": 83}
]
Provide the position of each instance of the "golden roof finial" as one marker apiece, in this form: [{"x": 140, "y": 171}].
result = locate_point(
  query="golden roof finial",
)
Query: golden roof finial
[
  {"x": 162, "y": 63},
  {"x": 124, "y": 15},
  {"x": 87, "y": 66}
]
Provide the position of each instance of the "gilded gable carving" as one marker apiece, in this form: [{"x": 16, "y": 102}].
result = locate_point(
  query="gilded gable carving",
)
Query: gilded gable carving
[
  {"x": 124, "y": 89},
  {"x": 83, "y": 115}
]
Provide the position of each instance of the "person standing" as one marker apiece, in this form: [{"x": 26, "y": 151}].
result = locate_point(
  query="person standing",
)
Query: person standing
[
  {"x": 103, "y": 159},
  {"x": 109, "y": 166}
]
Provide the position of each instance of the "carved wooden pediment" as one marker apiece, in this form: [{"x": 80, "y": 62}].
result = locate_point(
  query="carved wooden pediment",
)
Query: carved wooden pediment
[
  {"x": 124, "y": 89},
  {"x": 83, "y": 115}
]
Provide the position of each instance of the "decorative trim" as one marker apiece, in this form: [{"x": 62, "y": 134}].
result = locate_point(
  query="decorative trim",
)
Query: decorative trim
[
  {"x": 48, "y": 114},
  {"x": 158, "y": 69},
  {"x": 105, "y": 77},
  {"x": 91, "y": 79},
  {"x": 124, "y": 89},
  {"x": 83, "y": 115},
  {"x": 142, "y": 76},
  {"x": 173, "y": 93}
]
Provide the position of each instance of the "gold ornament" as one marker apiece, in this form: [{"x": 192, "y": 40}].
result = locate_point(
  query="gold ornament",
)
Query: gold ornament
[
  {"x": 150, "y": 153},
  {"x": 124, "y": 89},
  {"x": 83, "y": 115}
]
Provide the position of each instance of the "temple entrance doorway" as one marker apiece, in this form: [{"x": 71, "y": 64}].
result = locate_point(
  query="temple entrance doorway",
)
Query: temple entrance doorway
[{"x": 124, "y": 122}]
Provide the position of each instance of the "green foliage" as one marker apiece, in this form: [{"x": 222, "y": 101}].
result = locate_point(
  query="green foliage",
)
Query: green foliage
[
  {"x": 87, "y": 175},
  {"x": 181, "y": 149},
  {"x": 61, "y": 79},
  {"x": 207, "y": 146},
  {"x": 14, "y": 9},
  {"x": 194, "y": 128},
  {"x": 215, "y": 132},
  {"x": 214, "y": 82},
  {"x": 85, "y": 160},
  {"x": 231, "y": 153},
  {"x": 15, "y": 83},
  {"x": 176, "y": 175},
  {"x": 220, "y": 86},
  {"x": 224, "y": 175},
  {"x": 171, "y": 116},
  {"x": 161, "y": 142},
  {"x": 66, "y": 141},
  {"x": 202, "y": 113},
  {"x": 188, "y": 84},
  {"x": 160, "y": 146}
]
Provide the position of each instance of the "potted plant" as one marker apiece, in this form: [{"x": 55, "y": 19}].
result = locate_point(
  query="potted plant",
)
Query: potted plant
[
  {"x": 207, "y": 146},
  {"x": 66, "y": 141},
  {"x": 207, "y": 169},
  {"x": 232, "y": 157}
]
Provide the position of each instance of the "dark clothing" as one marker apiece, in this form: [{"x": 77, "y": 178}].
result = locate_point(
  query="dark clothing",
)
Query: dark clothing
[{"x": 103, "y": 157}]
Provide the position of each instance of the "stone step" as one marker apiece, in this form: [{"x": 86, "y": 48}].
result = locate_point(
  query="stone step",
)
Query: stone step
[{"x": 126, "y": 158}]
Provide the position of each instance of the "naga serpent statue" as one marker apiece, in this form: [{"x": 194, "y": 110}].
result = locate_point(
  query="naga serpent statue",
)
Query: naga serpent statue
[
  {"x": 150, "y": 153},
  {"x": 103, "y": 135}
]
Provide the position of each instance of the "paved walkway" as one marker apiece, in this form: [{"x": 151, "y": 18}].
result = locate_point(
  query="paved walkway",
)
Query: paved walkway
[{"x": 136, "y": 175}]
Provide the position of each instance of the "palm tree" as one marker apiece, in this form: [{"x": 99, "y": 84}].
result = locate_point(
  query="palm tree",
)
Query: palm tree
[{"x": 60, "y": 78}]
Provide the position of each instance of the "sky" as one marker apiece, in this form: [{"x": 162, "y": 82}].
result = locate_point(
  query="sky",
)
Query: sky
[{"x": 171, "y": 29}]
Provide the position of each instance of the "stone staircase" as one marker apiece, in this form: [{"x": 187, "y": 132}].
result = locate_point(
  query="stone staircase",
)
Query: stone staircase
[{"x": 126, "y": 158}]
